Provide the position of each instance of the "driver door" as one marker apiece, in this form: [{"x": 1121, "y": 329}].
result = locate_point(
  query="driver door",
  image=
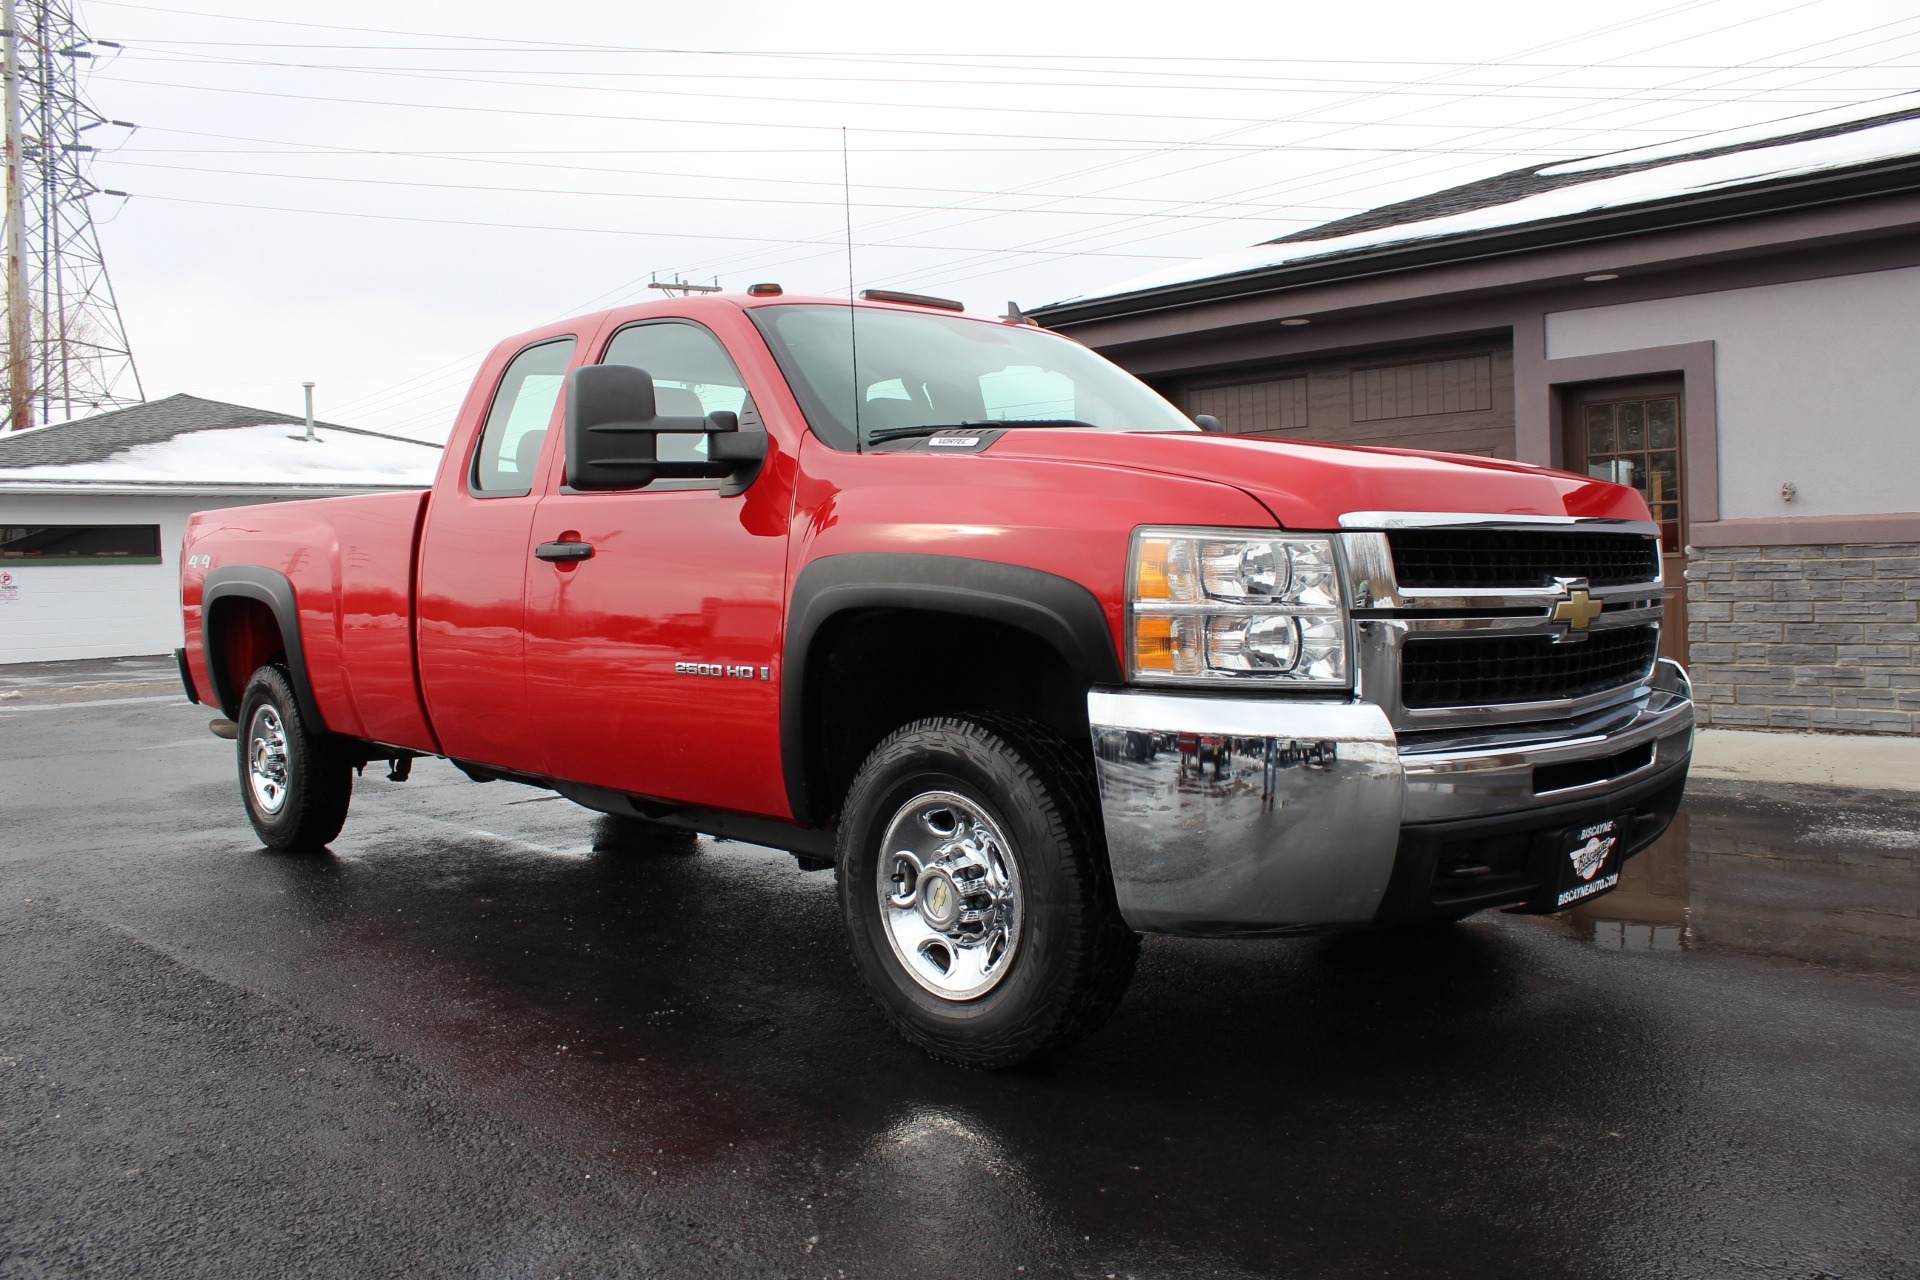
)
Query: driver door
[{"x": 654, "y": 664}]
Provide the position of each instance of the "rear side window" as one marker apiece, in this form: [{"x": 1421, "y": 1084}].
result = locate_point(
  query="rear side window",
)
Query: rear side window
[{"x": 518, "y": 419}]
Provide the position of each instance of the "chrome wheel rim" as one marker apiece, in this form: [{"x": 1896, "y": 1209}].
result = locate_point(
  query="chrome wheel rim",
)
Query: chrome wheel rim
[
  {"x": 267, "y": 760},
  {"x": 950, "y": 895}
]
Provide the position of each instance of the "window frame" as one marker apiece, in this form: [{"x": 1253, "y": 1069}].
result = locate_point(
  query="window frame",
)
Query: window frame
[
  {"x": 680, "y": 484},
  {"x": 480, "y": 434}
]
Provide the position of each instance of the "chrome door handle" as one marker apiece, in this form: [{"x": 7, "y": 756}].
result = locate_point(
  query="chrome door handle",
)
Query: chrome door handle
[{"x": 564, "y": 551}]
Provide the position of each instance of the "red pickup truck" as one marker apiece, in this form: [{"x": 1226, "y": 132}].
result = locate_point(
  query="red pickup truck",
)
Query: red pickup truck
[{"x": 961, "y": 610}]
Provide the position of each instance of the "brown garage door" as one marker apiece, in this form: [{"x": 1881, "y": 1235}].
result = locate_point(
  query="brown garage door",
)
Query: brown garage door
[{"x": 1454, "y": 400}]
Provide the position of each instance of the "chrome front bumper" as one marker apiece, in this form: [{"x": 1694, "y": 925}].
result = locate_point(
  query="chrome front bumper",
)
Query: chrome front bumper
[{"x": 1238, "y": 816}]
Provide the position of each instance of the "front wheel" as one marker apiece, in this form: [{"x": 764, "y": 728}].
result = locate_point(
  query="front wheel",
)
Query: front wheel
[
  {"x": 293, "y": 778},
  {"x": 974, "y": 889}
]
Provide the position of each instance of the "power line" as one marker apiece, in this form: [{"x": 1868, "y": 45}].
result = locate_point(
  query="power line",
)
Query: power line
[
  {"x": 616, "y": 231},
  {"x": 1292, "y": 84},
  {"x": 316, "y": 150},
  {"x": 761, "y": 124},
  {"x": 635, "y": 195},
  {"x": 943, "y": 274},
  {"x": 1684, "y": 6},
  {"x": 502, "y": 43}
]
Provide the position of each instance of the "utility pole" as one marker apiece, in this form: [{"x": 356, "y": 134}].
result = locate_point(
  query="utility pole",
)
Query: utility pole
[
  {"x": 19, "y": 384},
  {"x": 678, "y": 288},
  {"x": 68, "y": 354}
]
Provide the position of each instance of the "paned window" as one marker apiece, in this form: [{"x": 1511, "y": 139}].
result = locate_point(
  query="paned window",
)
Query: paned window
[
  {"x": 1637, "y": 442},
  {"x": 81, "y": 543}
]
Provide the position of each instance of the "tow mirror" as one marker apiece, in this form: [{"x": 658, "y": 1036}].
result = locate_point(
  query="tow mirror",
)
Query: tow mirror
[{"x": 613, "y": 432}]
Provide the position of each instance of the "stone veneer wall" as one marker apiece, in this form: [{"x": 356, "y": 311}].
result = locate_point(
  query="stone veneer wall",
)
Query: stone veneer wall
[{"x": 1823, "y": 638}]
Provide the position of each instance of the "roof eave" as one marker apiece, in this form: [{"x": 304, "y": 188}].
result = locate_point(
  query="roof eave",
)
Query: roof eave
[{"x": 1788, "y": 195}]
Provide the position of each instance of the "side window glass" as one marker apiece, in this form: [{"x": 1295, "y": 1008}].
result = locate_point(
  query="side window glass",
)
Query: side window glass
[
  {"x": 692, "y": 377},
  {"x": 517, "y": 420}
]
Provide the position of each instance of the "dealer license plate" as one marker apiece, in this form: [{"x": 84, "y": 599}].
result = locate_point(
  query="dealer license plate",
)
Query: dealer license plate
[{"x": 1591, "y": 860}]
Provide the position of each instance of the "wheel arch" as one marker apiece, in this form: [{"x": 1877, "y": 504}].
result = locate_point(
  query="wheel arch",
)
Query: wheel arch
[
  {"x": 1027, "y": 641},
  {"x": 249, "y": 614}
]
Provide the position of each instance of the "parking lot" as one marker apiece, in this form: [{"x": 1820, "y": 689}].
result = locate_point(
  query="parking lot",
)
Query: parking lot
[{"x": 492, "y": 1035}]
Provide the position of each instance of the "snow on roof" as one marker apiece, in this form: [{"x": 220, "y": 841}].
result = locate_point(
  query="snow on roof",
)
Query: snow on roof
[
  {"x": 268, "y": 455},
  {"x": 185, "y": 440},
  {"x": 1834, "y": 140}
]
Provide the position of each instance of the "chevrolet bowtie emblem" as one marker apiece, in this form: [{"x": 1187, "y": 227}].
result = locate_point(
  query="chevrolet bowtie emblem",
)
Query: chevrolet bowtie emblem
[{"x": 1578, "y": 610}]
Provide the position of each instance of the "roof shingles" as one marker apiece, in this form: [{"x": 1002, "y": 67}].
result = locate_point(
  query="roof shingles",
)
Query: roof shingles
[{"x": 98, "y": 438}]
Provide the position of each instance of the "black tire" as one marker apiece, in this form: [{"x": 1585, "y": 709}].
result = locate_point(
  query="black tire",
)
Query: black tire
[
  {"x": 1073, "y": 957},
  {"x": 315, "y": 783}
]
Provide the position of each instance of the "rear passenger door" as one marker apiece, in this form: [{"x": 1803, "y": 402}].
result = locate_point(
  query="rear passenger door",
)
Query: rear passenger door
[{"x": 653, "y": 666}]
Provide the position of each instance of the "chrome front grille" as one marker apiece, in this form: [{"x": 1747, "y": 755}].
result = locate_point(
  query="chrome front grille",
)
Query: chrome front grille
[{"x": 1466, "y": 620}]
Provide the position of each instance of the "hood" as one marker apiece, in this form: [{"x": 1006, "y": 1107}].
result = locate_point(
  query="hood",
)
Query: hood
[{"x": 1310, "y": 486}]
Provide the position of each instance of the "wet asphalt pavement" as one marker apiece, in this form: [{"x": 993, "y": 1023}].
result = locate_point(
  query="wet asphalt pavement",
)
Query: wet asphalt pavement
[{"x": 491, "y": 1036}]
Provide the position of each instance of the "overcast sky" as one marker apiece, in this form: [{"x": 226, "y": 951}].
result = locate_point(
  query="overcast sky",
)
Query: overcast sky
[{"x": 369, "y": 195}]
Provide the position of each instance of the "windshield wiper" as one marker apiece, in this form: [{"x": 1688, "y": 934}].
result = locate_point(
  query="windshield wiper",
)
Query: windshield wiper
[{"x": 932, "y": 429}]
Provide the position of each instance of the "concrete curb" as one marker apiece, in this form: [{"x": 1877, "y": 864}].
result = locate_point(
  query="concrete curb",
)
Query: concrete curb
[{"x": 1885, "y": 763}]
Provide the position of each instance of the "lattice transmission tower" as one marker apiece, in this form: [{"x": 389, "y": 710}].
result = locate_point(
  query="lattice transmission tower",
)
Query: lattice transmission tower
[{"x": 67, "y": 354}]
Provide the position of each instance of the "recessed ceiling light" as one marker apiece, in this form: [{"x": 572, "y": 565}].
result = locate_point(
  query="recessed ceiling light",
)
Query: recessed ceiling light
[
  {"x": 1598, "y": 276},
  {"x": 1296, "y": 320}
]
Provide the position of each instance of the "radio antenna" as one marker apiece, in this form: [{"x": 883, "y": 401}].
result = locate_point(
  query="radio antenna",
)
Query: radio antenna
[{"x": 853, "y": 328}]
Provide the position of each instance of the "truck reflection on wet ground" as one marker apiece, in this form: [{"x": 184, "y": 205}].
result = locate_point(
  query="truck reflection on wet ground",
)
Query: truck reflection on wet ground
[
  {"x": 681, "y": 1010},
  {"x": 1818, "y": 874},
  {"x": 673, "y": 1024}
]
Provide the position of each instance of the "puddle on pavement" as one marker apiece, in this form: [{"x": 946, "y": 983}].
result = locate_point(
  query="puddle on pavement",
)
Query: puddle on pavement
[{"x": 1823, "y": 875}]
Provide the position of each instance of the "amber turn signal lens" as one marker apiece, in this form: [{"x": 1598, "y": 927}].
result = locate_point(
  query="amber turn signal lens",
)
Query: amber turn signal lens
[
  {"x": 1150, "y": 578},
  {"x": 1166, "y": 644},
  {"x": 1153, "y": 644}
]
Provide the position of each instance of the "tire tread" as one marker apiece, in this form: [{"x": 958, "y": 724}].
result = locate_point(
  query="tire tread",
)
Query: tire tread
[{"x": 1102, "y": 952}]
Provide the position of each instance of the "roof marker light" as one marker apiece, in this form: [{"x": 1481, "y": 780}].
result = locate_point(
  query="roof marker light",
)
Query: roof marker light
[{"x": 768, "y": 290}]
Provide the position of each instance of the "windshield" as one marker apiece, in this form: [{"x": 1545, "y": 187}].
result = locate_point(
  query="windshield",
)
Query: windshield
[{"x": 922, "y": 370}]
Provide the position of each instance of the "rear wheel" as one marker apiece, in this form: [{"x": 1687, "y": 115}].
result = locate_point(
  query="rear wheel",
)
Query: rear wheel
[
  {"x": 974, "y": 890},
  {"x": 293, "y": 777}
]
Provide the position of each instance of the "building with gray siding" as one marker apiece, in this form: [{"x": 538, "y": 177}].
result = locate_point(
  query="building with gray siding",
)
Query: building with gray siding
[{"x": 1728, "y": 324}]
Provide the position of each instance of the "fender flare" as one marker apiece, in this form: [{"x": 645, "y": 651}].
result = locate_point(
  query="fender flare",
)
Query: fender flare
[
  {"x": 273, "y": 589},
  {"x": 1059, "y": 612}
]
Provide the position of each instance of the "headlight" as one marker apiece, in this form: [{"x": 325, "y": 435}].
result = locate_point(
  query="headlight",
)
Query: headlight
[{"x": 1228, "y": 605}]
